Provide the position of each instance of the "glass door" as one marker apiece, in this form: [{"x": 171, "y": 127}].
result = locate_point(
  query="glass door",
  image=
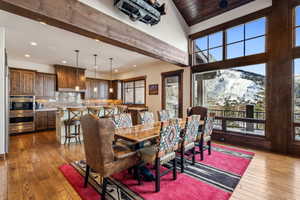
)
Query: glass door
[{"x": 172, "y": 93}]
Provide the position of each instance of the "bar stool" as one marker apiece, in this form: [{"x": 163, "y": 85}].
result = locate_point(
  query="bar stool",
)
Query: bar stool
[
  {"x": 73, "y": 121},
  {"x": 96, "y": 110}
]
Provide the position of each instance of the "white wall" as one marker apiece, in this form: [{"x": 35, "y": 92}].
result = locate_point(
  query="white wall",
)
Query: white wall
[
  {"x": 171, "y": 29},
  {"x": 21, "y": 64},
  {"x": 231, "y": 15},
  {"x": 153, "y": 72},
  {"x": 2, "y": 92}
]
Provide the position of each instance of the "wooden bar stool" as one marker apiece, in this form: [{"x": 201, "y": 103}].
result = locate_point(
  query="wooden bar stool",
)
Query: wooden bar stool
[
  {"x": 74, "y": 116},
  {"x": 96, "y": 110}
]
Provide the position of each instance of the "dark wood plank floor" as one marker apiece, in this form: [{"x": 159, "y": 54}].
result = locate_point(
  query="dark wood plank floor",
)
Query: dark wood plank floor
[{"x": 31, "y": 172}]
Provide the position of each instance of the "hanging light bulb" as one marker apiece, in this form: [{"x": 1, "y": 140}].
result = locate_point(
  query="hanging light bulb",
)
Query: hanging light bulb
[
  {"x": 111, "y": 90},
  {"x": 95, "y": 88},
  {"x": 77, "y": 88}
]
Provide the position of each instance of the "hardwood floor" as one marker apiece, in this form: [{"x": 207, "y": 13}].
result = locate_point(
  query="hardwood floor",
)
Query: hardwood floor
[{"x": 31, "y": 172}]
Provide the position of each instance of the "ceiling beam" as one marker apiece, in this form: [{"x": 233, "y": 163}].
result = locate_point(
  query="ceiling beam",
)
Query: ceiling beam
[{"x": 82, "y": 19}]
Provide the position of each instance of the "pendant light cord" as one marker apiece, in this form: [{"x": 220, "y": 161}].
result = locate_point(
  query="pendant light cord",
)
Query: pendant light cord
[
  {"x": 77, "y": 58},
  {"x": 95, "y": 55}
]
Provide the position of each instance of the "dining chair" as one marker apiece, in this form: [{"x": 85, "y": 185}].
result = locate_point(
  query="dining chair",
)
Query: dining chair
[
  {"x": 122, "y": 109},
  {"x": 164, "y": 150},
  {"x": 145, "y": 117},
  {"x": 123, "y": 120},
  {"x": 101, "y": 155},
  {"x": 188, "y": 138},
  {"x": 198, "y": 110},
  {"x": 205, "y": 136},
  {"x": 163, "y": 115},
  {"x": 96, "y": 110}
]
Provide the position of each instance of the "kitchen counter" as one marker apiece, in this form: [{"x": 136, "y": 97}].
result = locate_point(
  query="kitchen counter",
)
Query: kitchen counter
[{"x": 45, "y": 109}]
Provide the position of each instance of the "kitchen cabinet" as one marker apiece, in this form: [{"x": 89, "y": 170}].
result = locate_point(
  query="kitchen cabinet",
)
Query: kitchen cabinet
[
  {"x": 102, "y": 89},
  {"x": 45, "y": 120},
  {"x": 22, "y": 82},
  {"x": 45, "y": 85},
  {"x": 69, "y": 77}
]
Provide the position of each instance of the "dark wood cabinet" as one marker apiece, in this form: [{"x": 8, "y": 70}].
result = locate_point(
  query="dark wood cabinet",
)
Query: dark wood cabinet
[
  {"x": 45, "y": 85},
  {"x": 45, "y": 120},
  {"x": 102, "y": 89},
  {"x": 69, "y": 77},
  {"x": 22, "y": 82}
]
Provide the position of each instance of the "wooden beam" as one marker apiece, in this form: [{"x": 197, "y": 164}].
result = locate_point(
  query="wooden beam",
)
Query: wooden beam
[
  {"x": 82, "y": 19},
  {"x": 279, "y": 77}
]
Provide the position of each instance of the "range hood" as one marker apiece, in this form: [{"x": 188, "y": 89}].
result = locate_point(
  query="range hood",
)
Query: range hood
[{"x": 69, "y": 77}]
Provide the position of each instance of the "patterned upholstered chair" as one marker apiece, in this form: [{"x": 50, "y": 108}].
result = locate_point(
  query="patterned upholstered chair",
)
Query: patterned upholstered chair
[
  {"x": 163, "y": 115},
  {"x": 164, "y": 150},
  {"x": 123, "y": 120},
  {"x": 188, "y": 137},
  {"x": 101, "y": 155},
  {"x": 197, "y": 110},
  {"x": 145, "y": 117},
  {"x": 96, "y": 110},
  {"x": 205, "y": 136},
  {"x": 122, "y": 108}
]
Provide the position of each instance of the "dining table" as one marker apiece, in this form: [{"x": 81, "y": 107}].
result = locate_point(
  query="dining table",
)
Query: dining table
[{"x": 144, "y": 132}]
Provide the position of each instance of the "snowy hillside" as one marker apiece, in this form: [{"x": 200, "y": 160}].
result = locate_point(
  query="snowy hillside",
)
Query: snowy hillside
[{"x": 234, "y": 87}]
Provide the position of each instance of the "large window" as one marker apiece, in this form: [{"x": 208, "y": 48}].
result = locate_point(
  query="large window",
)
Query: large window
[
  {"x": 297, "y": 98},
  {"x": 236, "y": 95},
  {"x": 242, "y": 40},
  {"x": 134, "y": 91}
]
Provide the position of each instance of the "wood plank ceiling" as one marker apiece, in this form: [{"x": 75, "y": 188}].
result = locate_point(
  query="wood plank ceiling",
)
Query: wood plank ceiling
[{"x": 195, "y": 11}]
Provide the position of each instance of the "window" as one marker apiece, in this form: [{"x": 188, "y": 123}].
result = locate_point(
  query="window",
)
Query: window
[
  {"x": 242, "y": 40},
  {"x": 297, "y": 26},
  {"x": 134, "y": 91},
  {"x": 236, "y": 93},
  {"x": 246, "y": 39},
  {"x": 297, "y": 98},
  {"x": 209, "y": 48}
]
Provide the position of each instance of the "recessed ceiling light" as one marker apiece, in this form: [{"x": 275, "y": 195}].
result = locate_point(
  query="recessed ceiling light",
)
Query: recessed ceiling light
[
  {"x": 64, "y": 62},
  {"x": 116, "y": 70},
  {"x": 97, "y": 40},
  {"x": 134, "y": 65},
  {"x": 33, "y": 43},
  {"x": 41, "y": 22},
  {"x": 27, "y": 55}
]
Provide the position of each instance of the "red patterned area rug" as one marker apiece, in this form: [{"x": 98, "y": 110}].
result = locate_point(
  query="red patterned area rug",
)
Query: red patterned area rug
[{"x": 214, "y": 178}]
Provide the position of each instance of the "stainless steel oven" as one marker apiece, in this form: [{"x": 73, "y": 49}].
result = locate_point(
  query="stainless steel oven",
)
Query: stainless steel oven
[{"x": 21, "y": 117}]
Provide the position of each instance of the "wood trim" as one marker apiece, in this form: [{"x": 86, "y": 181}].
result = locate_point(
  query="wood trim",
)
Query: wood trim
[
  {"x": 97, "y": 79},
  {"x": 2, "y": 156},
  {"x": 77, "y": 17},
  {"x": 168, "y": 74},
  {"x": 232, "y": 23},
  {"x": 21, "y": 69},
  {"x": 139, "y": 78},
  {"x": 243, "y": 140},
  {"x": 67, "y": 66},
  {"x": 296, "y": 52},
  {"x": 237, "y": 62}
]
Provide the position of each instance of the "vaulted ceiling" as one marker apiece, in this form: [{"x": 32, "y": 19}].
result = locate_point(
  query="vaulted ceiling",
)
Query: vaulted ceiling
[{"x": 195, "y": 11}]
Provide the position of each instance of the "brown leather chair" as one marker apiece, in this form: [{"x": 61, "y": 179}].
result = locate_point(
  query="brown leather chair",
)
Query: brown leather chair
[{"x": 101, "y": 155}]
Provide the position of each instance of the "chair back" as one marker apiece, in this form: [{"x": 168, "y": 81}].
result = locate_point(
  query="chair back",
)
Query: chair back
[
  {"x": 190, "y": 132},
  {"x": 98, "y": 136},
  {"x": 169, "y": 137},
  {"x": 122, "y": 108},
  {"x": 197, "y": 110},
  {"x": 209, "y": 124},
  {"x": 163, "y": 115},
  {"x": 74, "y": 114},
  {"x": 123, "y": 120},
  {"x": 96, "y": 110},
  {"x": 145, "y": 117}
]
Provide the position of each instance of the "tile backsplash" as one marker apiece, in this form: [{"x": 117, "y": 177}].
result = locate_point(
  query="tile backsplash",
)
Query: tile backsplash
[{"x": 62, "y": 99}]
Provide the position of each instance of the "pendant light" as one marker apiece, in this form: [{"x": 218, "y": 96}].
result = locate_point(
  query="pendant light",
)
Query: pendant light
[
  {"x": 95, "y": 88},
  {"x": 111, "y": 90},
  {"x": 77, "y": 88}
]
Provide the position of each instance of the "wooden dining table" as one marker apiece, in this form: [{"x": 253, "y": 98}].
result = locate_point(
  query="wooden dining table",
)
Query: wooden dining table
[{"x": 141, "y": 133}]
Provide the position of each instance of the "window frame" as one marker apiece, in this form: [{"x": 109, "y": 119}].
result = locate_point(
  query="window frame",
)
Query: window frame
[
  {"x": 224, "y": 46},
  {"x": 134, "y": 80}
]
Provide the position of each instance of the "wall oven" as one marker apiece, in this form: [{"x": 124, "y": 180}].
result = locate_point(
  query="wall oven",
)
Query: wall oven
[{"x": 21, "y": 117}]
